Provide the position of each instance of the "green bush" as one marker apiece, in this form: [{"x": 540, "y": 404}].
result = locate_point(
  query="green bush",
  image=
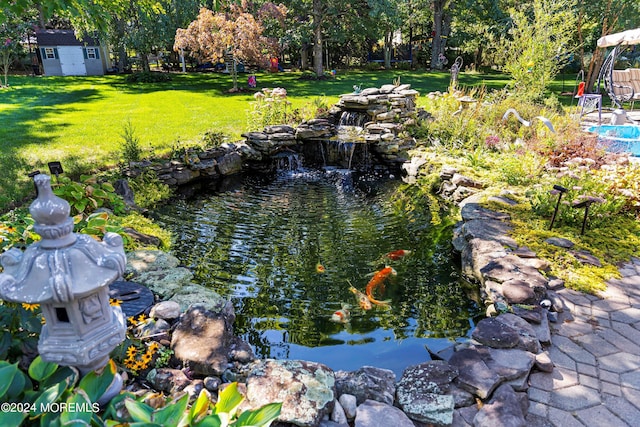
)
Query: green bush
[
  {"x": 51, "y": 395},
  {"x": 148, "y": 190},
  {"x": 130, "y": 146},
  {"x": 88, "y": 195},
  {"x": 148, "y": 77},
  {"x": 271, "y": 107},
  {"x": 203, "y": 413},
  {"x": 16, "y": 229}
]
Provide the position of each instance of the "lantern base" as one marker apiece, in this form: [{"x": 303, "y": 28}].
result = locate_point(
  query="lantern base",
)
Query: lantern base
[{"x": 89, "y": 353}]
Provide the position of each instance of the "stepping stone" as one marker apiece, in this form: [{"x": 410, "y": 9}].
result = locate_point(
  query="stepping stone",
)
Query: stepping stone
[
  {"x": 586, "y": 257},
  {"x": 560, "y": 242}
]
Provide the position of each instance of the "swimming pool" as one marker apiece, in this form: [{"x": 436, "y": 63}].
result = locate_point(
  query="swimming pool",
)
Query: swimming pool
[{"x": 619, "y": 138}]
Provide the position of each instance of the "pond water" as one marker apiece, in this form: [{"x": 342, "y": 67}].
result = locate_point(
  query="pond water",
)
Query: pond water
[
  {"x": 259, "y": 243},
  {"x": 619, "y": 138}
]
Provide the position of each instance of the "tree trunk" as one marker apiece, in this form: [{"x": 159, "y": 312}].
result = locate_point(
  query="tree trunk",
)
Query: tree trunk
[
  {"x": 598, "y": 55},
  {"x": 317, "y": 38},
  {"x": 144, "y": 58},
  {"x": 388, "y": 38},
  {"x": 441, "y": 26},
  {"x": 304, "y": 57}
]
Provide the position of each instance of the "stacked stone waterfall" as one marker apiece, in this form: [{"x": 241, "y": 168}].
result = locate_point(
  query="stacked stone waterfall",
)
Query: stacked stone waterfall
[{"x": 388, "y": 109}]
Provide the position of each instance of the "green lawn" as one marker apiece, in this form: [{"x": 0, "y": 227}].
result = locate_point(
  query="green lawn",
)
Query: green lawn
[{"x": 79, "y": 120}]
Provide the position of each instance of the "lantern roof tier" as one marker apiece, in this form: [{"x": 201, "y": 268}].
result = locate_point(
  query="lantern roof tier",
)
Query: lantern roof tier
[{"x": 63, "y": 265}]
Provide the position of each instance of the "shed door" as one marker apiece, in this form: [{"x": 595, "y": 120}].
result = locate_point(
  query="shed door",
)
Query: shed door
[{"x": 72, "y": 61}]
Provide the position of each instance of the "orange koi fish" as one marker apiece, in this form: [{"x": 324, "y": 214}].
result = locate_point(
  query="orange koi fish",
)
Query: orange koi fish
[
  {"x": 377, "y": 281},
  {"x": 363, "y": 300},
  {"x": 396, "y": 255}
]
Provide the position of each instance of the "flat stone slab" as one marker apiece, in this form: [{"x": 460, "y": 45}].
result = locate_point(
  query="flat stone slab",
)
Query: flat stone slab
[
  {"x": 372, "y": 413},
  {"x": 471, "y": 211},
  {"x": 487, "y": 229},
  {"x": 574, "y": 398},
  {"x": 586, "y": 257},
  {"x": 560, "y": 242},
  {"x": 474, "y": 374}
]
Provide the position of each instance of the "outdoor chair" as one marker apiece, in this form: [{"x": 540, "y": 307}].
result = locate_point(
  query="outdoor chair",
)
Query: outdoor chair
[
  {"x": 622, "y": 86},
  {"x": 635, "y": 83}
]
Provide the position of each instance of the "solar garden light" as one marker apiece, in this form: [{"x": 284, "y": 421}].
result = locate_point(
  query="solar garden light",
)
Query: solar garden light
[
  {"x": 561, "y": 190},
  {"x": 68, "y": 274},
  {"x": 585, "y": 203},
  {"x": 56, "y": 169},
  {"x": 31, "y": 175}
]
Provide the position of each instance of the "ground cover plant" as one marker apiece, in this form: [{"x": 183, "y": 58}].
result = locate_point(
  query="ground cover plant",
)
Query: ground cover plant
[
  {"x": 80, "y": 121},
  {"x": 527, "y": 162}
]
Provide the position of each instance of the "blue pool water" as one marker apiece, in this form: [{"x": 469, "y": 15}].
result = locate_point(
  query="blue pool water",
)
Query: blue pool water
[{"x": 620, "y": 138}]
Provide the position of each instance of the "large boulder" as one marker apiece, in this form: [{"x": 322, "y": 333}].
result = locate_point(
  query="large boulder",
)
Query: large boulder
[
  {"x": 229, "y": 164},
  {"x": 503, "y": 410},
  {"x": 368, "y": 382},
  {"x": 421, "y": 391},
  {"x": 473, "y": 373},
  {"x": 203, "y": 339},
  {"x": 306, "y": 390},
  {"x": 372, "y": 413}
]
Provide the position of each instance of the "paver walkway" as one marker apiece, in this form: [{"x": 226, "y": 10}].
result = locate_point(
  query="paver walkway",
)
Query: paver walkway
[{"x": 596, "y": 352}]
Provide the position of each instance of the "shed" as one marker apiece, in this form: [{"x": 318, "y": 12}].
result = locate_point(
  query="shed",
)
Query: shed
[{"x": 63, "y": 54}]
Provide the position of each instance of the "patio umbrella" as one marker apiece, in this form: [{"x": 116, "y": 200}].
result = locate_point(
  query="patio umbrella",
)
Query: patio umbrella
[{"x": 625, "y": 38}]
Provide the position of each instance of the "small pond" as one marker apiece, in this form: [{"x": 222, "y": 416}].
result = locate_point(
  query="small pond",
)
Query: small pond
[
  {"x": 259, "y": 242},
  {"x": 619, "y": 138}
]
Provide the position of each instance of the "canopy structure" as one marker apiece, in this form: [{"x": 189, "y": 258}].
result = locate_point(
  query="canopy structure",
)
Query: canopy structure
[
  {"x": 618, "y": 90},
  {"x": 625, "y": 38}
]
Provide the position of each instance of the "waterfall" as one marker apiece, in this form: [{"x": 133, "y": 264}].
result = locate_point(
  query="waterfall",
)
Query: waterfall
[
  {"x": 288, "y": 161},
  {"x": 353, "y": 118}
]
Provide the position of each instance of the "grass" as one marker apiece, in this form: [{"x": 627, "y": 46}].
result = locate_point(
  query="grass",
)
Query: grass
[{"x": 79, "y": 120}]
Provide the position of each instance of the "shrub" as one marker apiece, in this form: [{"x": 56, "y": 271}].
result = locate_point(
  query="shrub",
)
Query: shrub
[
  {"x": 148, "y": 190},
  {"x": 88, "y": 195},
  {"x": 270, "y": 107},
  {"x": 131, "y": 149},
  {"x": 16, "y": 229},
  {"x": 538, "y": 44},
  {"x": 148, "y": 77}
]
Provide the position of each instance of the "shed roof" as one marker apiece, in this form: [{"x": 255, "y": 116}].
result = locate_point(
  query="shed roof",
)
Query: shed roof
[{"x": 63, "y": 38}]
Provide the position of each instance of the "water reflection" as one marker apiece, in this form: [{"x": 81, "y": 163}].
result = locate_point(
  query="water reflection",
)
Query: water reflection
[{"x": 259, "y": 245}]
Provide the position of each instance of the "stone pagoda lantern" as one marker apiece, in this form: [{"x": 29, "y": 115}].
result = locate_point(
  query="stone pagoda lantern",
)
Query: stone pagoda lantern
[{"x": 68, "y": 274}]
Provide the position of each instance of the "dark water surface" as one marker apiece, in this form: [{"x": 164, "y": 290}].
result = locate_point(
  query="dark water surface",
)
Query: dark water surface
[{"x": 259, "y": 244}]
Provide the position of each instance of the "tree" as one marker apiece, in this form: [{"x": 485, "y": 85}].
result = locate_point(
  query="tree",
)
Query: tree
[
  {"x": 84, "y": 14},
  {"x": 540, "y": 39},
  {"x": 12, "y": 31},
  {"x": 598, "y": 19},
  {"x": 214, "y": 36},
  {"x": 388, "y": 16},
  {"x": 441, "y": 30},
  {"x": 478, "y": 27}
]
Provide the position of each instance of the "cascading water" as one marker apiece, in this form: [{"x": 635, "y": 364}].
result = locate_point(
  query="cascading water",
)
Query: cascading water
[
  {"x": 288, "y": 161},
  {"x": 354, "y": 118}
]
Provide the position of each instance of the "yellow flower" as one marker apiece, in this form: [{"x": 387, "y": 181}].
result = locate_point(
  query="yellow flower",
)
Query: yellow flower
[
  {"x": 115, "y": 302},
  {"x": 146, "y": 358},
  {"x": 142, "y": 318},
  {"x": 131, "y": 351},
  {"x": 153, "y": 347},
  {"x": 30, "y": 307},
  {"x": 132, "y": 320}
]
